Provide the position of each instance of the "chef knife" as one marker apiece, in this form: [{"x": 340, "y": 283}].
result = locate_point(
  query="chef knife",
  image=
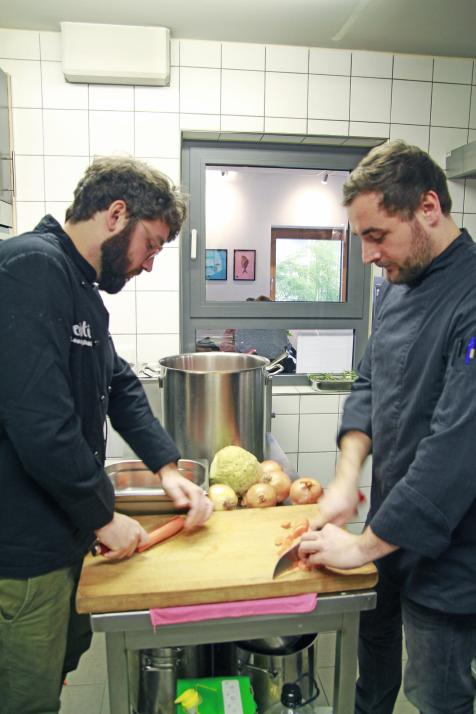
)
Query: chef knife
[{"x": 289, "y": 558}]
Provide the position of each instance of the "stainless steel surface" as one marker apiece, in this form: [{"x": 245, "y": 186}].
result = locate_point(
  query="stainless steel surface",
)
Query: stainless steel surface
[
  {"x": 461, "y": 162},
  {"x": 334, "y": 613},
  {"x": 214, "y": 399},
  {"x": 138, "y": 490},
  {"x": 286, "y": 560}
]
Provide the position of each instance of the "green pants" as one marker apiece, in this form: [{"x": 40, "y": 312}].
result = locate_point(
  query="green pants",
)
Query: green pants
[{"x": 41, "y": 639}]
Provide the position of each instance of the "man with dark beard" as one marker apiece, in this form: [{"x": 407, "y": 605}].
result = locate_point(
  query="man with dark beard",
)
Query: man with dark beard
[
  {"x": 59, "y": 378},
  {"x": 414, "y": 407}
]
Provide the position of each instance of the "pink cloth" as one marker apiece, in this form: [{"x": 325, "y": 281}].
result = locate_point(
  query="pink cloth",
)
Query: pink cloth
[{"x": 241, "y": 608}]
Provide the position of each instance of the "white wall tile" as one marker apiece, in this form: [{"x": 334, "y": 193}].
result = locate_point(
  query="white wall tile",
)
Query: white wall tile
[
  {"x": 201, "y": 122},
  {"x": 469, "y": 222},
  {"x": 57, "y": 209},
  {"x": 286, "y": 95},
  {"x": 458, "y": 219},
  {"x": 57, "y": 92},
  {"x": 411, "y": 102},
  {"x": 19, "y": 44},
  {"x": 472, "y": 135},
  {"x": 331, "y": 128},
  {"x": 450, "y": 105},
  {"x": 111, "y": 133},
  {"x": 442, "y": 140},
  {"x": 199, "y": 90},
  {"x": 366, "y": 473},
  {"x": 317, "y": 432},
  {"x": 470, "y": 196},
  {"x": 29, "y": 175},
  {"x": 151, "y": 348},
  {"x": 319, "y": 465},
  {"x": 284, "y": 428},
  {"x": 322, "y": 61},
  {"x": 242, "y": 92},
  {"x": 111, "y": 96},
  {"x": 169, "y": 167},
  {"x": 285, "y": 58},
  {"x": 28, "y": 214},
  {"x": 319, "y": 403},
  {"x": 452, "y": 69},
  {"x": 292, "y": 460},
  {"x": 200, "y": 53},
  {"x": 373, "y": 129},
  {"x": 416, "y": 135},
  {"x": 26, "y": 82},
  {"x": 237, "y": 123},
  {"x": 165, "y": 274},
  {"x": 157, "y": 312},
  {"x": 62, "y": 174},
  {"x": 472, "y": 114},
  {"x": 50, "y": 46},
  {"x": 277, "y": 125},
  {"x": 126, "y": 346},
  {"x": 242, "y": 55},
  {"x": 329, "y": 97},
  {"x": 159, "y": 99},
  {"x": 174, "y": 53},
  {"x": 27, "y": 131},
  {"x": 371, "y": 64},
  {"x": 66, "y": 132},
  {"x": 285, "y": 404},
  {"x": 413, "y": 67},
  {"x": 157, "y": 134},
  {"x": 370, "y": 99},
  {"x": 122, "y": 312},
  {"x": 456, "y": 189}
]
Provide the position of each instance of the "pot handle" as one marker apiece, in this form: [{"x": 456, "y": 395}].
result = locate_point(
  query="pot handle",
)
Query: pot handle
[{"x": 275, "y": 367}]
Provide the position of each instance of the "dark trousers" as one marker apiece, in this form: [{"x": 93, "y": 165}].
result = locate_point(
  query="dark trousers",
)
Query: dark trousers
[{"x": 440, "y": 648}]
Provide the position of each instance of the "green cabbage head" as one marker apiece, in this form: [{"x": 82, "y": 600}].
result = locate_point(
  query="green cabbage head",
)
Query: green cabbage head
[{"x": 235, "y": 467}]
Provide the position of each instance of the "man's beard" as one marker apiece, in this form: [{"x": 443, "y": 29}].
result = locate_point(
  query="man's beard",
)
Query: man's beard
[
  {"x": 418, "y": 261},
  {"x": 115, "y": 260}
]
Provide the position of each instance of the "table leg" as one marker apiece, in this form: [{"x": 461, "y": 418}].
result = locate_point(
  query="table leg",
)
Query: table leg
[
  {"x": 117, "y": 673},
  {"x": 346, "y": 664}
]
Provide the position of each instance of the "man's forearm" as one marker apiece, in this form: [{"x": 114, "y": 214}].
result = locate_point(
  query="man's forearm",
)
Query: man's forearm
[
  {"x": 372, "y": 547},
  {"x": 354, "y": 446}
]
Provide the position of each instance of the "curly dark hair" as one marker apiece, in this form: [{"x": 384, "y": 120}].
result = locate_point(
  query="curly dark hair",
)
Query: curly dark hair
[
  {"x": 148, "y": 193},
  {"x": 401, "y": 174}
]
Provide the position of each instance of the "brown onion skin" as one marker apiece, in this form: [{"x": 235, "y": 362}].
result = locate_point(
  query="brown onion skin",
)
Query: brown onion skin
[
  {"x": 269, "y": 465},
  {"x": 260, "y": 495},
  {"x": 305, "y": 490},
  {"x": 279, "y": 481}
]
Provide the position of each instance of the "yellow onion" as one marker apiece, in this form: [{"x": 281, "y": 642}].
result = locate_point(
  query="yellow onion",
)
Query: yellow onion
[
  {"x": 223, "y": 497},
  {"x": 260, "y": 495},
  {"x": 305, "y": 490},
  {"x": 279, "y": 481}
]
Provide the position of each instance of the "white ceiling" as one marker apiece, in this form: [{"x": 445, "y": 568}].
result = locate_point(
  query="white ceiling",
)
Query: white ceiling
[{"x": 433, "y": 27}]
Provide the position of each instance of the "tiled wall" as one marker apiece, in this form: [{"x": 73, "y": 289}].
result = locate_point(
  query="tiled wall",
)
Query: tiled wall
[
  {"x": 305, "y": 425},
  {"x": 217, "y": 86}
]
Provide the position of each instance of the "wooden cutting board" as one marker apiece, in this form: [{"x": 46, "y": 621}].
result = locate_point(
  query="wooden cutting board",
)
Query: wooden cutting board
[{"x": 230, "y": 558}]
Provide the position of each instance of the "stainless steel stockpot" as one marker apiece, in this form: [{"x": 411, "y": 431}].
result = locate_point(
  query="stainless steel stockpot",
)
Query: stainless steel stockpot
[{"x": 214, "y": 399}]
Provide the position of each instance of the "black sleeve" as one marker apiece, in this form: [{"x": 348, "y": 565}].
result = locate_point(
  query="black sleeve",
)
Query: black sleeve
[
  {"x": 132, "y": 417},
  {"x": 440, "y": 485},
  {"x": 37, "y": 409}
]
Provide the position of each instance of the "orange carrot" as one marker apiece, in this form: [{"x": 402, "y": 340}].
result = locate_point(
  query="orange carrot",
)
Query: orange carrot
[
  {"x": 163, "y": 532},
  {"x": 286, "y": 524}
]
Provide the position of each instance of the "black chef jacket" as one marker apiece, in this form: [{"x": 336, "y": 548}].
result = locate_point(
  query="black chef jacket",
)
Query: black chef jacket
[
  {"x": 416, "y": 398},
  {"x": 59, "y": 377}
]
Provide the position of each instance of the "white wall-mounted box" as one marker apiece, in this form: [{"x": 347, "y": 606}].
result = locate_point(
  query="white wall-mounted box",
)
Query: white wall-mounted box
[{"x": 115, "y": 54}]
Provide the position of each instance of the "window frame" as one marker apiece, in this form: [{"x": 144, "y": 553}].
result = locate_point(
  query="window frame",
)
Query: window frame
[{"x": 197, "y": 313}]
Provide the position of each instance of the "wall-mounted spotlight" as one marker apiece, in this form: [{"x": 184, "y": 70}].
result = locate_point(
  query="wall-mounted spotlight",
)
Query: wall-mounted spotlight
[{"x": 325, "y": 177}]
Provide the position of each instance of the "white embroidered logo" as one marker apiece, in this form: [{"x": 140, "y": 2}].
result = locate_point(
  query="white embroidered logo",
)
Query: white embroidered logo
[{"x": 82, "y": 334}]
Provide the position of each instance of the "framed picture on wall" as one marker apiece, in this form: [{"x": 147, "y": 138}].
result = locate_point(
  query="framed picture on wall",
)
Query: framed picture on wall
[
  {"x": 216, "y": 260},
  {"x": 244, "y": 265}
]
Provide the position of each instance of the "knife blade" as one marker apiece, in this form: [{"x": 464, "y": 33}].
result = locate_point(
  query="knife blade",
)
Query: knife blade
[
  {"x": 286, "y": 560},
  {"x": 289, "y": 558}
]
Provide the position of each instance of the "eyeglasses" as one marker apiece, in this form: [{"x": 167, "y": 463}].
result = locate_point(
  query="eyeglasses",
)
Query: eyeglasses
[{"x": 151, "y": 242}]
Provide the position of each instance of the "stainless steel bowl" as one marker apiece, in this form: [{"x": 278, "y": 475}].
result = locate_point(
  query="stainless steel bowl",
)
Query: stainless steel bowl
[{"x": 138, "y": 490}]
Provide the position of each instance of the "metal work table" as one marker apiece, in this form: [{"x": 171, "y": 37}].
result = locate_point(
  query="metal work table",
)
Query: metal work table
[{"x": 340, "y": 613}]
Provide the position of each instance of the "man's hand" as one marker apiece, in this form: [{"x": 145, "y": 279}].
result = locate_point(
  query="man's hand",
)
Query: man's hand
[
  {"x": 336, "y": 547},
  {"x": 122, "y": 535},
  {"x": 338, "y": 505},
  {"x": 186, "y": 494}
]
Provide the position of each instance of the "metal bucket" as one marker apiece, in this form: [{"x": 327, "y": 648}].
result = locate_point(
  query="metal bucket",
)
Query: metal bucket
[
  {"x": 272, "y": 663},
  {"x": 214, "y": 399}
]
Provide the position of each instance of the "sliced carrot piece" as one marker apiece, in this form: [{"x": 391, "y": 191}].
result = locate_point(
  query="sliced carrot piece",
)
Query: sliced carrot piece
[
  {"x": 286, "y": 524},
  {"x": 169, "y": 529}
]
